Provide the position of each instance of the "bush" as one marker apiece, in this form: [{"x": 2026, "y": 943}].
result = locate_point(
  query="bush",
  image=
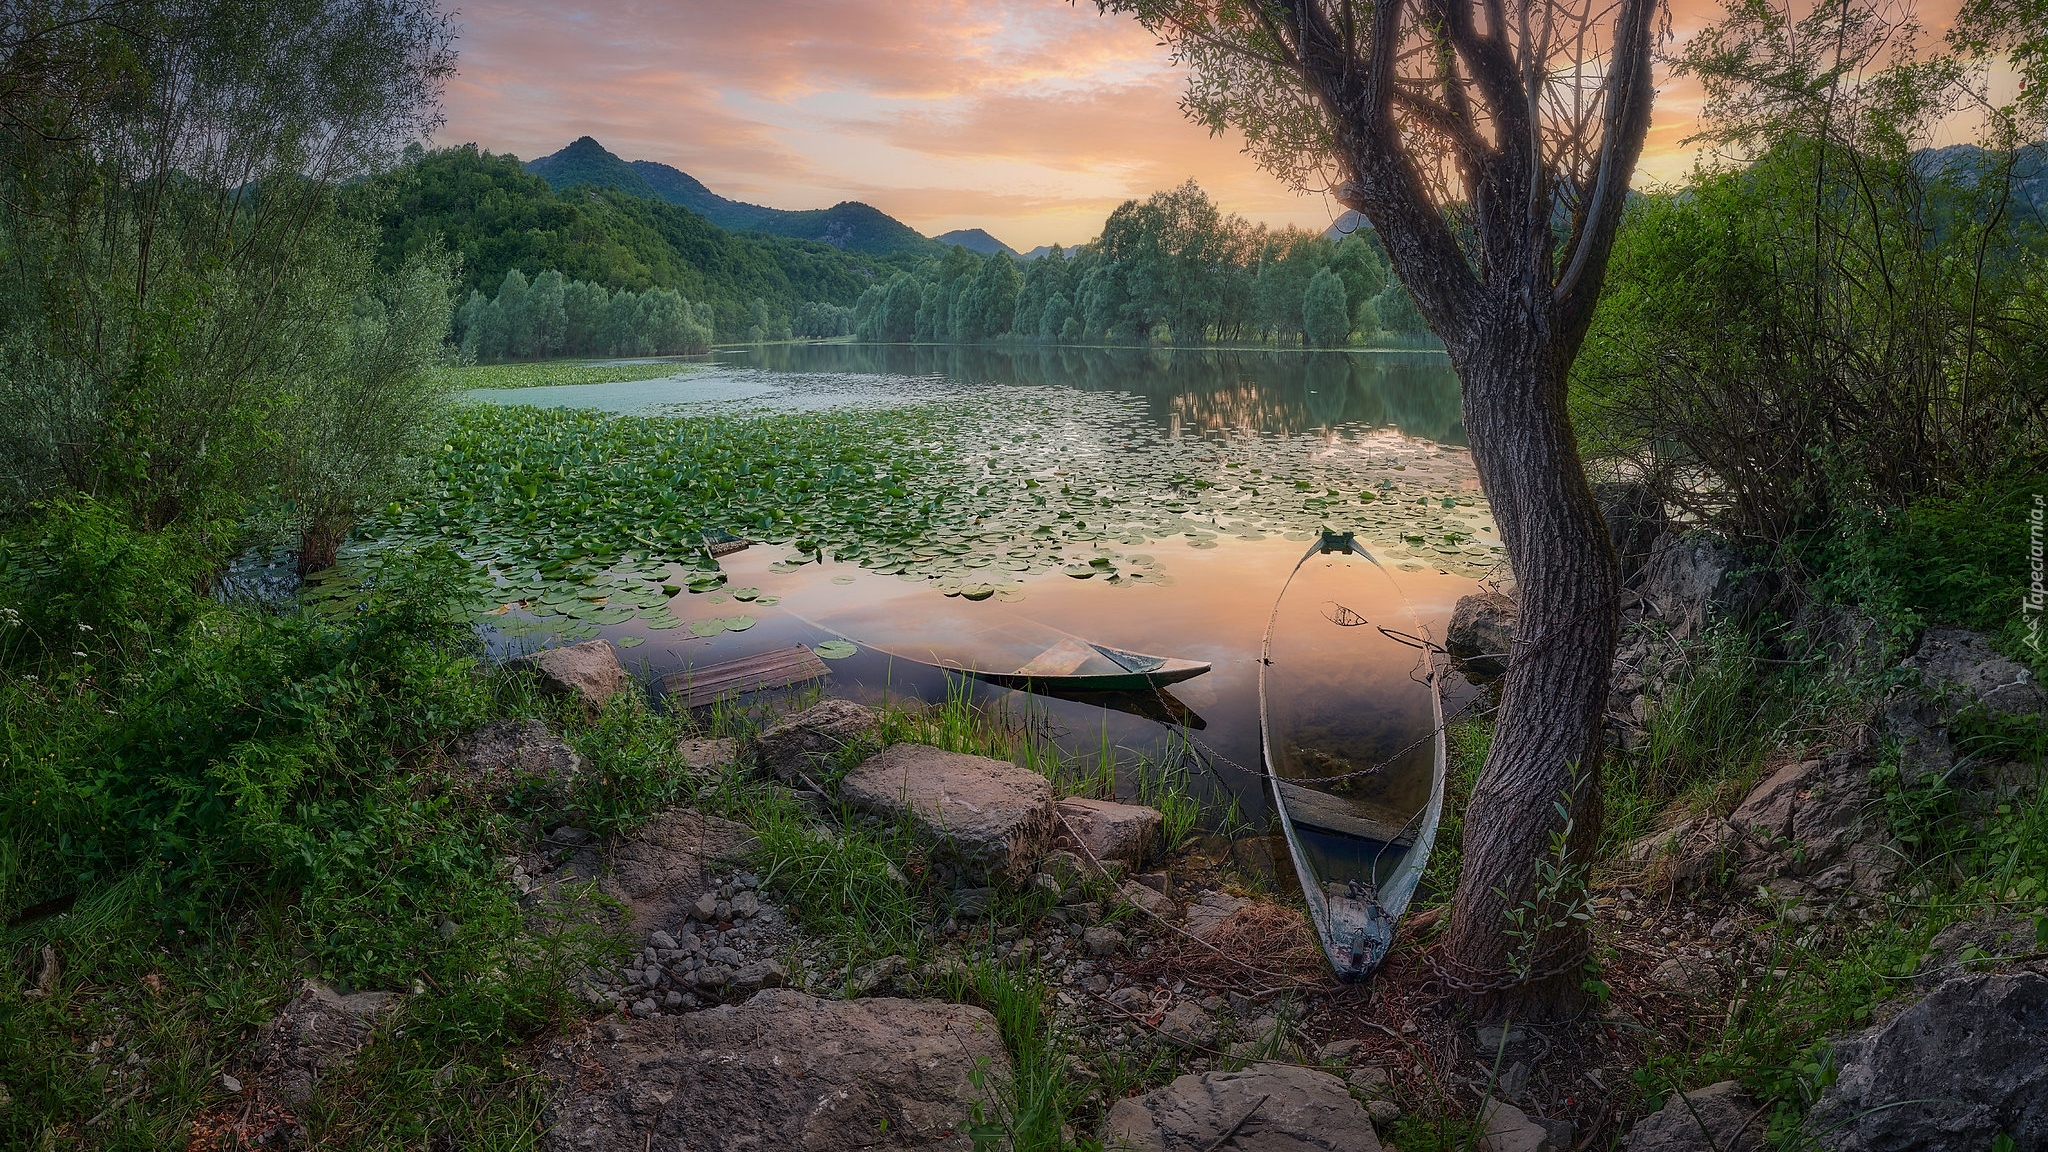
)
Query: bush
[{"x": 78, "y": 577}]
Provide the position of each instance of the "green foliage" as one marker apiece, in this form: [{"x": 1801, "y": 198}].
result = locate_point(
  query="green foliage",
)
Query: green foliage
[
  {"x": 1959, "y": 557},
  {"x": 160, "y": 302},
  {"x": 79, "y": 576},
  {"x": 497, "y": 217},
  {"x": 1325, "y": 314},
  {"x": 1169, "y": 268},
  {"x": 556, "y": 317},
  {"x": 1719, "y": 716},
  {"x": 1850, "y": 320}
]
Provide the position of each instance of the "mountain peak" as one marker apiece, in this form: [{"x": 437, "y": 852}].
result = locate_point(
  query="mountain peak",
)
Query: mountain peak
[
  {"x": 849, "y": 224},
  {"x": 975, "y": 240}
]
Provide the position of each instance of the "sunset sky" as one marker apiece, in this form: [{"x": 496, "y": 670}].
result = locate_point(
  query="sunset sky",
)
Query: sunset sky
[{"x": 1030, "y": 118}]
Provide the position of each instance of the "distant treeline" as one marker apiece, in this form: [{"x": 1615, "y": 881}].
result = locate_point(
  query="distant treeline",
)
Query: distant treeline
[
  {"x": 1169, "y": 269},
  {"x": 555, "y": 316}
]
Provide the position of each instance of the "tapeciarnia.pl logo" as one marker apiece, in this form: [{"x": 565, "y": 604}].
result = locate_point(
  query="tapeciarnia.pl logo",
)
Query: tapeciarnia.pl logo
[{"x": 2037, "y": 590}]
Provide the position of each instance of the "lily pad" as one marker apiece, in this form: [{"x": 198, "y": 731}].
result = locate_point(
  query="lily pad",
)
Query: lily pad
[
  {"x": 631, "y": 641},
  {"x": 738, "y": 623},
  {"x": 835, "y": 650}
]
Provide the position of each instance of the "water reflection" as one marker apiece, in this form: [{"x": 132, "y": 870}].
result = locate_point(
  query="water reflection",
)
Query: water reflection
[{"x": 1186, "y": 390}]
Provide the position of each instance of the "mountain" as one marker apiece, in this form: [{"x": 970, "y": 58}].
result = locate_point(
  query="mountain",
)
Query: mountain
[
  {"x": 496, "y": 215},
  {"x": 976, "y": 241},
  {"x": 1347, "y": 222},
  {"x": 850, "y": 224},
  {"x": 1069, "y": 252}
]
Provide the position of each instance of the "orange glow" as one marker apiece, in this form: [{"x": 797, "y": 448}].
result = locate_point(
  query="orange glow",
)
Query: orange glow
[{"x": 1030, "y": 118}]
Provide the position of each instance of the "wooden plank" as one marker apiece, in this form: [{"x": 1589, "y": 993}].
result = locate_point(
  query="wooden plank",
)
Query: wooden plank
[
  {"x": 779, "y": 669},
  {"x": 1327, "y": 813}
]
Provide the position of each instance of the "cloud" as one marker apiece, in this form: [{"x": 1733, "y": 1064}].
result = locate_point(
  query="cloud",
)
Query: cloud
[{"x": 1030, "y": 118}]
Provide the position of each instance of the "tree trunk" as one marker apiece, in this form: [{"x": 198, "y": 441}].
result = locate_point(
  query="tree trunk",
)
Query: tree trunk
[{"x": 1547, "y": 742}]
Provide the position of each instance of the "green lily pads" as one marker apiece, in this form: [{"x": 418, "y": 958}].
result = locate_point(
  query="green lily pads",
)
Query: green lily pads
[
  {"x": 738, "y": 623},
  {"x": 835, "y": 650},
  {"x": 744, "y": 593},
  {"x": 631, "y": 641},
  {"x": 706, "y": 629}
]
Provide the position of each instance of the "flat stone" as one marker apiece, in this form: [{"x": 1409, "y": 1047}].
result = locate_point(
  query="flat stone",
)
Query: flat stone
[
  {"x": 508, "y": 756},
  {"x": 1951, "y": 1073},
  {"x": 1370, "y": 1081},
  {"x": 708, "y": 755},
  {"x": 317, "y": 1032},
  {"x": 1303, "y": 1110},
  {"x": 1102, "y": 941},
  {"x": 758, "y": 975},
  {"x": 589, "y": 673},
  {"x": 1210, "y": 910},
  {"x": 993, "y": 818},
  {"x": 664, "y": 871},
  {"x": 1149, "y": 899},
  {"x": 1186, "y": 1023},
  {"x": 1718, "y": 1118},
  {"x": 1509, "y": 1129},
  {"x": 811, "y": 742},
  {"x": 782, "y": 1070},
  {"x": 1125, "y": 833},
  {"x": 1481, "y": 632}
]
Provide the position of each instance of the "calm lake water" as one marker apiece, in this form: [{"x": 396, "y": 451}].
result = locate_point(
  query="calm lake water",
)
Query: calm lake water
[{"x": 1202, "y": 588}]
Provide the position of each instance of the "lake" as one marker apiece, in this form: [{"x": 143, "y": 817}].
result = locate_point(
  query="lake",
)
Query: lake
[{"x": 1153, "y": 500}]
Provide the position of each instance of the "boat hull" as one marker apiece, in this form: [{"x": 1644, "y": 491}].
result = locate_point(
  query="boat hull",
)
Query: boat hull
[{"x": 1351, "y": 721}]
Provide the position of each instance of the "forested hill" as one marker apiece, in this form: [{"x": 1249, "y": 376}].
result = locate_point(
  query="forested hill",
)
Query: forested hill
[
  {"x": 975, "y": 240},
  {"x": 496, "y": 216},
  {"x": 850, "y": 224}
]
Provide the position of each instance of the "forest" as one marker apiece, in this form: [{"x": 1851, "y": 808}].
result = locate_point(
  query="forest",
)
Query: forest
[
  {"x": 1172, "y": 268},
  {"x": 494, "y": 217}
]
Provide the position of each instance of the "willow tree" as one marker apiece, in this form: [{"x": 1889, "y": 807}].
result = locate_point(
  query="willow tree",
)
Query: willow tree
[{"x": 1490, "y": 144}]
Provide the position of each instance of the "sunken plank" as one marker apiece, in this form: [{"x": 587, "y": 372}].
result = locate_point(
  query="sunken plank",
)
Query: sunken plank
[
  {"x": 779, "y": 669},
  {"x": 1327, "y": 813}
]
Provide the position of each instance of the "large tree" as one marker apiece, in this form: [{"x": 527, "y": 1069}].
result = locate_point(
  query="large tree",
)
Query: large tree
[{"x": 1490, "y": 144}]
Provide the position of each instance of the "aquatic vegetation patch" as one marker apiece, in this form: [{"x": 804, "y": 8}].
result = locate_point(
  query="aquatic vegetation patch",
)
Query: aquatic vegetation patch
[
  {"x": 580, "y": 520},
  {"x": 553, "y": 373}
]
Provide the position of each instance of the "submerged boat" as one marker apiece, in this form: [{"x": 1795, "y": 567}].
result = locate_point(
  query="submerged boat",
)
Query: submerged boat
[
  {"x": 1351, "y": 719},
  {"x": 1001, "y": 648}
]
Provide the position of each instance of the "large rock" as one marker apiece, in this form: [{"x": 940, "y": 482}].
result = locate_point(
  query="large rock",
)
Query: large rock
[
  {"x": 506, "y": 757},
  {"x": 1635, "y": 518},
  {"x": 1814, "y": 827},
  {"x": 810, "y": 742},
  {"x": 1481, "y": 632},
  {"x": 589, "y": 673},
  {"x": 1718, "y": 1118},
  {"x": 1682, "y": 858},
  {"x": 316, "y": 1033},
  {"x": 994, "y": 818},
  {"x": 1290, "y": 1109},
  {"x": 1949, "y": 1074},
  {"x": 1123, "y": 833},
  {"x": 782, "y": 1071},
  {"x": 1978, "y": 945},
  {"x": 1693, "y": 576},
  {"x": 664, "y": 869},
  {"x": 1964, "y": 665},
  {"x": 1210, "y": 909}
]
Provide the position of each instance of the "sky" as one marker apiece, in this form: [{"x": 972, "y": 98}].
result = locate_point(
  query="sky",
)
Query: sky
[{"x": 1029, "y": 118}]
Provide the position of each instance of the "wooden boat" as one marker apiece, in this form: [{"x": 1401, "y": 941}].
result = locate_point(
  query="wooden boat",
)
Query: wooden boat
[
  {"x": 990, "y": 644},
  {"x": 1351, "y": 721}
]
